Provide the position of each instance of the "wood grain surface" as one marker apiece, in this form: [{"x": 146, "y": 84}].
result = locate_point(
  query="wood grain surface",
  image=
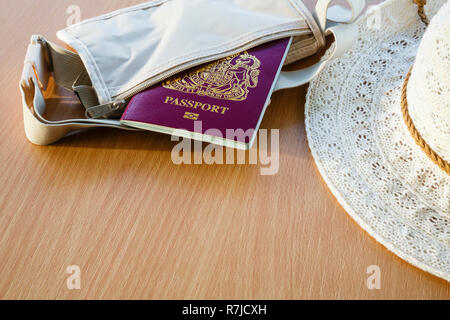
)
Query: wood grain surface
[{"x": 140, "y": 227}]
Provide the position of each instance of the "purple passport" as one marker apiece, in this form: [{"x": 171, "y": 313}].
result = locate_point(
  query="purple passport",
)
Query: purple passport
[{"x": 222, "y": 102}]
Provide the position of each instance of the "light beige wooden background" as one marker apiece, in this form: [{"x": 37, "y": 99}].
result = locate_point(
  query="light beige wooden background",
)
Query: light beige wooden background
[{"x": 141, "y": 227}]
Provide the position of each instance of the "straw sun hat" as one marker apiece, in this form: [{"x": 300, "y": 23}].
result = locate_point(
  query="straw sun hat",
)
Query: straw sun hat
[{"x": 378, "y": 125}]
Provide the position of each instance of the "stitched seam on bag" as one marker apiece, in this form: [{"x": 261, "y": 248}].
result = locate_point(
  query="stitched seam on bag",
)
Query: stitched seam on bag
[
  {"x": 142, "y": 6},
  {"x": 253, "y": 36}
]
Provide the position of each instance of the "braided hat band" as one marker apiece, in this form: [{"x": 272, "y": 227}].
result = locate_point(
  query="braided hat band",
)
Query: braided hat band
[
  {"x": 436, "y": 158},
  {"x": 421, "y": 11}
]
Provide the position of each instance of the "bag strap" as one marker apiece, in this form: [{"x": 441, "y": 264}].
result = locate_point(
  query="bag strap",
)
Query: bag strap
[
  {"x": 34, "y": 81},
  {"x": 345, "y": 34},
  {"x": 324, "y": 13}
]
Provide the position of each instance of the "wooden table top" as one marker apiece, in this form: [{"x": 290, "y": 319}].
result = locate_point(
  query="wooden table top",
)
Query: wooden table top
[{"x": 141, "y": 227}]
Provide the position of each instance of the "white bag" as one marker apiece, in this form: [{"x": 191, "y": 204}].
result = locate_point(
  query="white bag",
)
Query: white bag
[{"x": 125, "y": 52}]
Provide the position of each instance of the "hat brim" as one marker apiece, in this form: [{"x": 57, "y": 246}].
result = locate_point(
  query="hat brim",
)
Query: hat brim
[{"x": 365, "y": 152}]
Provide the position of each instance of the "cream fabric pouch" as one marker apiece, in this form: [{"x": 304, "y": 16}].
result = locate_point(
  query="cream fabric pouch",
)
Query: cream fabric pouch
[{"x": 122, "y": 53}]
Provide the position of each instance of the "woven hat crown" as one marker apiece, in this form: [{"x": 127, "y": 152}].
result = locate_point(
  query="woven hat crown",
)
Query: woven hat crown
[{"x": 428, "y": 90}]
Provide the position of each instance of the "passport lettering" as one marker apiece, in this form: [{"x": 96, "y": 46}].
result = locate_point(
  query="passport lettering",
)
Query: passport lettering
[{"x": 195, "y": 105}]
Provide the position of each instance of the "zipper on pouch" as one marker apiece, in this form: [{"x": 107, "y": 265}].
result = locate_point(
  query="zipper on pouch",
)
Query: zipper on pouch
[{"x": 120, "y": 102}]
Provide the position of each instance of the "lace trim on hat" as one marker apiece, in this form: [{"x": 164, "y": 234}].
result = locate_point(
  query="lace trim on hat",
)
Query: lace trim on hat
[{"x": 365, "y": 152}]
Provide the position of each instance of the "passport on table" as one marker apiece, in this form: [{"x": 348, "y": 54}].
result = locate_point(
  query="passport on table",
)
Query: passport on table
[{"x": 222, "y": 102}]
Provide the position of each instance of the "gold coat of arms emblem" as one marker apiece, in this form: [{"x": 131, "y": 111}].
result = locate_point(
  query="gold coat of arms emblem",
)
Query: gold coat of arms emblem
[{"x": 230, "y": 78}]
